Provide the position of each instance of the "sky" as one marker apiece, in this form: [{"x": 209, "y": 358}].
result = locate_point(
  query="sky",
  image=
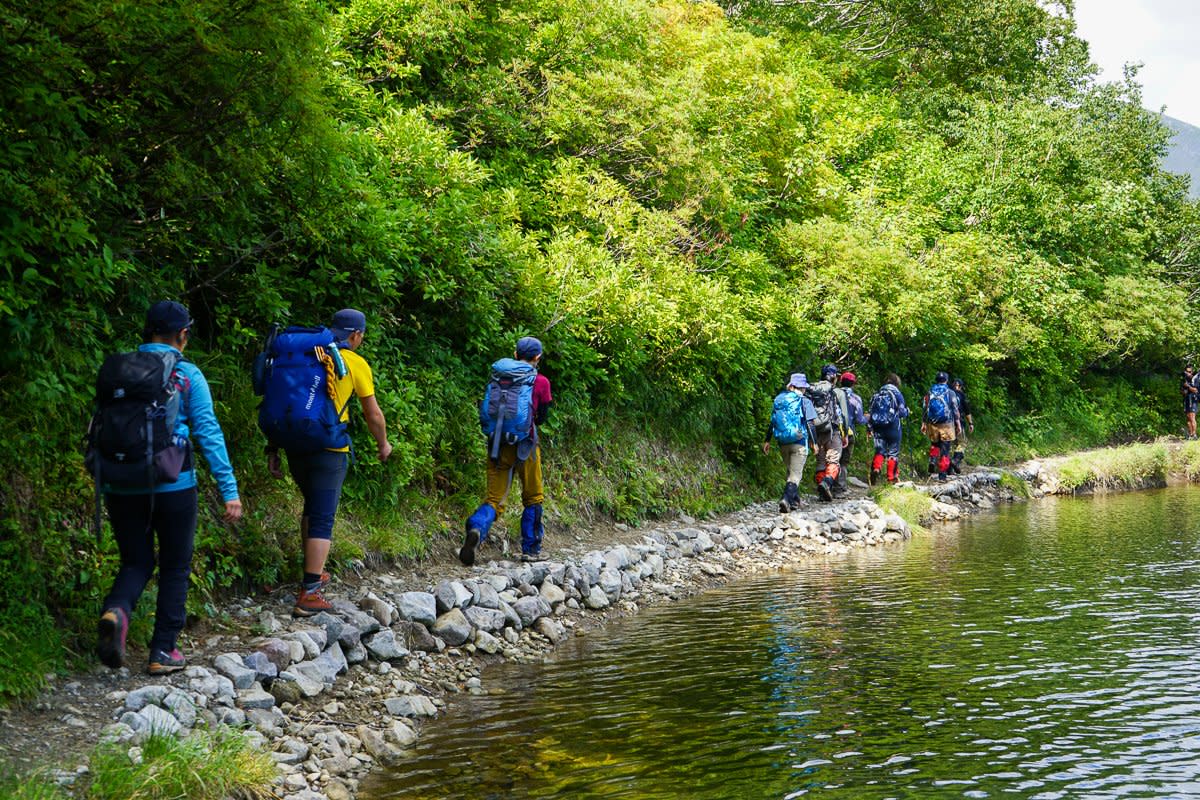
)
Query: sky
[{"x": 1164, "y": 35}]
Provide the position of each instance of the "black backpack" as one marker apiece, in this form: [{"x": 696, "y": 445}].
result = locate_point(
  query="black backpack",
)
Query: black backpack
[
  {"x": 825, "y": 404},
  {"x": 131, "y": 442}
]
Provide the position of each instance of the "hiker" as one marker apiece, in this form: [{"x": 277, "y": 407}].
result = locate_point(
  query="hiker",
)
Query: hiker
[
  {"x": 827, "y": 426},
  {"x": 160, "y": 508},
  {"x": 967, "y": 425},
  {"x": 850, "y": 406},
  {"x": 301, "y": 357},
  {"x": 942, "y": 423},
  {"x": 791, "y": 426},
  {"x": 1191, "y": 400},
  {"x": 517, "y": 400},
  {"x": 884, "y": 416}
]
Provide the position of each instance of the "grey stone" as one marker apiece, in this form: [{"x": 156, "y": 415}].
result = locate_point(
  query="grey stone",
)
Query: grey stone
[
  {"x": 401, "y": 733},
  {"x": 182, "y": 707},
  {"x": 365, "y": 623},
  {"x": 529, "y": 609},
  {"x": 117, "y": 733},
  {"x": 383, "y": 611},
  {"x": 270, "y": 722},
  {"x": 538, "y": 572},
  {"x": 228, "y": 715},
  {"x": 596, "y": 598},
  {"x": 334, "y": 658},
  {"x": 451, "y": 594},
  {"x": 309, "y": 647},
  {"x": 135, "y": 721},
  {"x": 486, "y": 642},
  {"x": 309, "y": 686},
  {"x": 410, "y": 705},
  {"x": 356, "y": 653},
  {"x": 263, "y": 667},
  {"x": 610, "y": 582},
  {"x": 552, "y": 594},
  {"x": 291, "y": 751},
  {"x": 488, "y": 596},
  {"x": 285, "y": 691},
  {"x": 485, "y": 619},
  {"x": 453, "y": 627},
  {"x": 498, "y": 582},
  {"x": 153, "y": 694},
  {"x": 511, "y": 618},
  {"x": 383, "y": 646},
  {"x": 417, "y": 607},
  {"x": 255, "y": 697},
  {"x": 330, "y": 623},
  {"x": 417, "y": 637},
  {"x": 617, "y": 558},
  {"x": 551, "y": 628},
  {"x": 351, "y": 636},
  {"x": 375, "y": 742},
  {"x": 159, "y": 720},
  {"x": 230, "y": 665}
]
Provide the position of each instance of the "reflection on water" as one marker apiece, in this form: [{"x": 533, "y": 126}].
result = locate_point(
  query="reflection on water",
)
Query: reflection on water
[{"x": 1050, "y": 650}]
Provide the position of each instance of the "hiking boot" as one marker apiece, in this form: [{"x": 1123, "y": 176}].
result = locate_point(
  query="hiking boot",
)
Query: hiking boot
[
  {"x": 530, "y": 558},
  {"x": 110, "y": 645},
  {"x": 873, "y": 477},
  {"x": 310, "y": 602},
  {"x": 825, "y": 489},
  {"x": 467, "y": 554},
  {"x": 784, "y": 507},
  {"x": 163, "y": 663}
]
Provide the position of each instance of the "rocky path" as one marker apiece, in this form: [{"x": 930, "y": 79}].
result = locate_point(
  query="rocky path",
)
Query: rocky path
[{"x": 334, "y": 695}]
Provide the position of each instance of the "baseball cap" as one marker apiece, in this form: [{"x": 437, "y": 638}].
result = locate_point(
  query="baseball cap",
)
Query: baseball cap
[
  {"x": 528, "y": 347},
  {"x": 828, "y": 370},
  {"x": 346, "y": 322},
  {"x": 849, "y": 377},
  {"x": 167, "y": 316}
]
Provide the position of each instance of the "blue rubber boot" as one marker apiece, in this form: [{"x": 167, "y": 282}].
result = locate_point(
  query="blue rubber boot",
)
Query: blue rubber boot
[
  {"x": 531, "y": 531},
  {"x": 478, "y": 525}
]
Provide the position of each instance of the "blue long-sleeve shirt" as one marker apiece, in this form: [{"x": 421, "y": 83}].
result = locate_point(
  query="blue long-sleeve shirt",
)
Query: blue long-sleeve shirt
[{"x": 197, "y": 419}]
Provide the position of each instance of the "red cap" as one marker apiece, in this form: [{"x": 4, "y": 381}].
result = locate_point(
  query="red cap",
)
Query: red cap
[{"x": 848, "y": 377}]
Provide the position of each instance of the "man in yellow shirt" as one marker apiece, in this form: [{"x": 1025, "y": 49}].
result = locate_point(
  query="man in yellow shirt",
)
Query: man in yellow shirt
[{"x": 320, "y": 475}]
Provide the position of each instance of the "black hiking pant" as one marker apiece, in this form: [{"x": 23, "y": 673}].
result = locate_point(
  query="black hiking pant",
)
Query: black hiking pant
[{"x": 173, "y": 524}]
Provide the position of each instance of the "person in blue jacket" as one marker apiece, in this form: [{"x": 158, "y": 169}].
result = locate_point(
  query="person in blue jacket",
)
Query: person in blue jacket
[
  {"x": 167, "y": 513},
  {"x": 887, "y": 411}
]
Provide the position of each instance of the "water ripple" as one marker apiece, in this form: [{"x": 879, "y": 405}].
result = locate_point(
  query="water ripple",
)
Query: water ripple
[{"x": 1049, "y": 651}]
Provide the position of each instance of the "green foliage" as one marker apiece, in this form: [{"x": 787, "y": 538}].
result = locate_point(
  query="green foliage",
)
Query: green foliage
[
  {"x": 684, "y": 205},
  {"x": 203, "y": 766}
]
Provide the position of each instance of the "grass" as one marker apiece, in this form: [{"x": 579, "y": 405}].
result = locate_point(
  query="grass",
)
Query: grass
[
  {"x": 1018, "y": 487},
  {"x": 1184, "y": 460},
  {"x": 912, "y": 506},
  {"x": 203, "y": 766},
  {"x": 1115, "y": 468},
  {"x": 32, "y": 787}
]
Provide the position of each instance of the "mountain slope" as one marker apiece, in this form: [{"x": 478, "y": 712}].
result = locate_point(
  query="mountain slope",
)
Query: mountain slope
[{"x": 1184, "y": 155}]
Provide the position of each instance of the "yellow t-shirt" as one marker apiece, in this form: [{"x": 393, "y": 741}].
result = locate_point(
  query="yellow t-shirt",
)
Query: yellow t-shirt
[{"x": 357, "y": 382}]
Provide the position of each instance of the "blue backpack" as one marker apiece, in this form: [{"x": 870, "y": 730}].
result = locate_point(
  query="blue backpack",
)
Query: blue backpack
[
  {"x": 885, "y": 406},
  {"x": 940, "y": 408},
  {"x": 506, "y": 412},
  {"x": 787, "y": 418},
  {"x": 297, "y": 413}
]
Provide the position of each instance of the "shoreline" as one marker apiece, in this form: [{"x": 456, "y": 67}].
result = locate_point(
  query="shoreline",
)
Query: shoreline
[{"x": 332, "y": 697}]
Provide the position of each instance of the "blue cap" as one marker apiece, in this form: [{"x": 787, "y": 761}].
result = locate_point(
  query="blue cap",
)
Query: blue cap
[
  {"x": 346, "y": 322},
  {"x": 829, "y": 371},
  {"x": 167, "y": 316},
  {"x": 799, "y": 380},
  {"x": 528, "y": 347}
]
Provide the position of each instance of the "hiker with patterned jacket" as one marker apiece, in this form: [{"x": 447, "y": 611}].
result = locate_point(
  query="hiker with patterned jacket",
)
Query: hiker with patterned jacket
[
  {"x": 884, "y": 416},
  {"x": 850, "y": 406},
  {"x": 828, "y": 428},
  {"x": 154, "y": 515},
  {"x": 516, "y": 401},
  {"x": 791, "y": 426}
]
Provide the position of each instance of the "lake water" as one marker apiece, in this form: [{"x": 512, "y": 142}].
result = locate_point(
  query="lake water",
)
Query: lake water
[{"x": 1048, "y": 650}]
